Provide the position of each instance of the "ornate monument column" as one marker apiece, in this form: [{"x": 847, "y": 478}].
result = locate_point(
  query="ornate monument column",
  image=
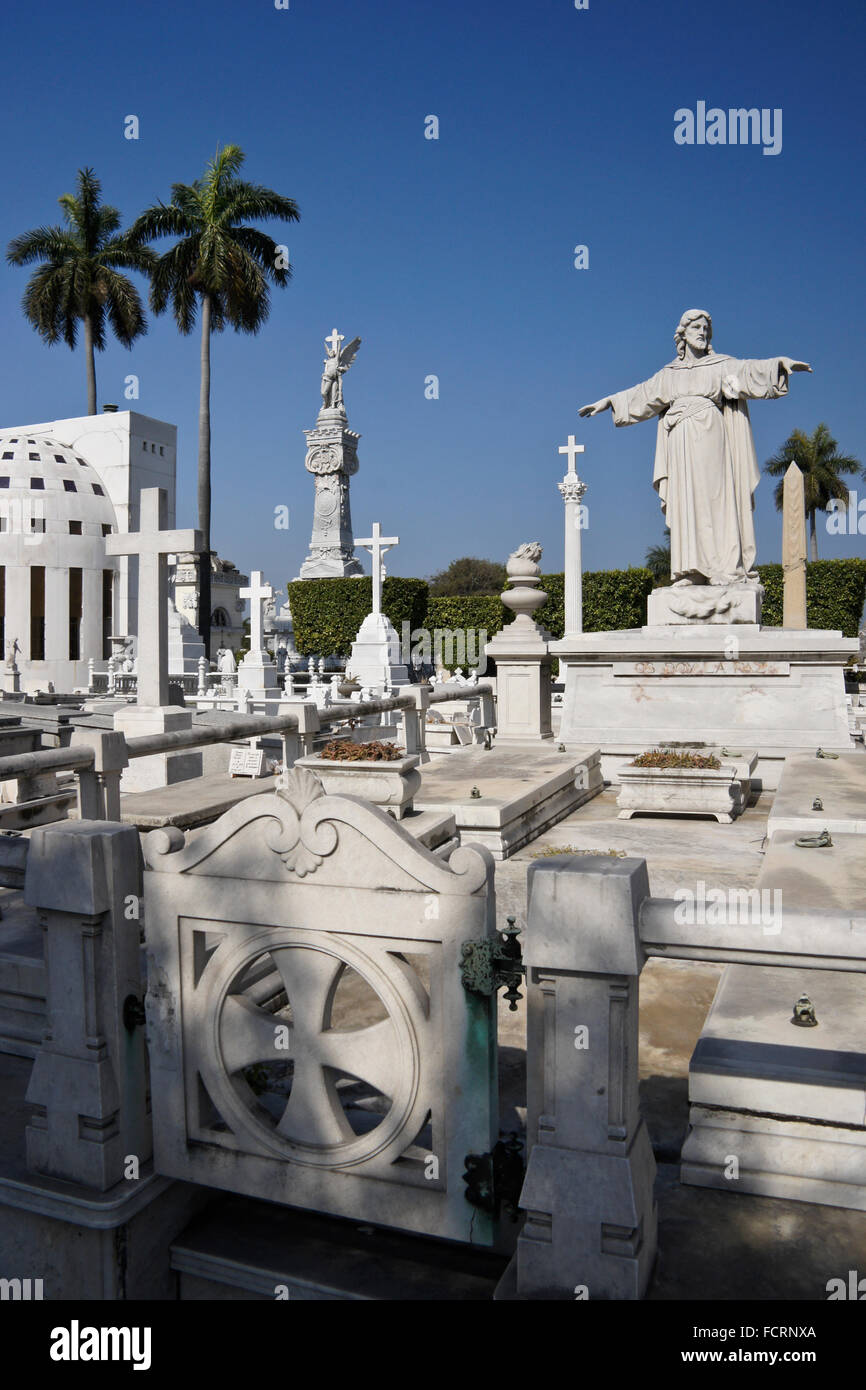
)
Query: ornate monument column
[
  {"x": 332, "y": 458},
  {"x": 572, "y": 490}
]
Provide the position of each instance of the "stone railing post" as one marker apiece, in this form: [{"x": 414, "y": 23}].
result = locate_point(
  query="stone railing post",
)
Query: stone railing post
[
  {"x": 300, "y": 741},
  {"x": 99, "y": 784},
  {"x": 87, "y": 1087},
  {"x": 591, "y": 1219},
  {"x": 414, "y": 722}
]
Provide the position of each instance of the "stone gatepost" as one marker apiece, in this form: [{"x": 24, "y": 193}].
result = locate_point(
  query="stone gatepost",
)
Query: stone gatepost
[
  {"x": 591, "y": 1217},
  {"x": 87, "y": 1087}
]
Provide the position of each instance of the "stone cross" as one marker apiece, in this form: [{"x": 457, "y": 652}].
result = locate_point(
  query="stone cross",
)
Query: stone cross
[
  {"x": 258, "y": 594},
  {"x": 572, "y": 489},
  {"x": 572, "y": 450},
  {"x": 153, "y": 545},
  {"x": 334, "y": 341},
  {"x": 377, "y": 544},
  {"x": 794, "y": 549}
]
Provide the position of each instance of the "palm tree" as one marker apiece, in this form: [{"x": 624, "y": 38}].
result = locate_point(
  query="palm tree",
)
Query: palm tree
[
  {"x": 79, "y": 280},
  {"x": 816, "y": 457},
  {"x": 658, "y": 562},
  {"x": 222, "y": 265}
]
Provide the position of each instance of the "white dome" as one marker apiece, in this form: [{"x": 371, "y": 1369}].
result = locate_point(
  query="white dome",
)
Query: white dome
[{"x": 42, "y": 478}]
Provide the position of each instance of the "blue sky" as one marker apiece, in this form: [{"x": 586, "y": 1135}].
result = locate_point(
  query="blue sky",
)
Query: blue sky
[{"x": 454, "y": 257}]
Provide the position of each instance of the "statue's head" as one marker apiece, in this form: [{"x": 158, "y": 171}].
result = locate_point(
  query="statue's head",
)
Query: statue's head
[{"x": 696, "y": 326}]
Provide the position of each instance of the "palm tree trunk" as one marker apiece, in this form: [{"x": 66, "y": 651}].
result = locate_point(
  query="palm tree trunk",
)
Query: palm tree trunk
[
  {"x": 204, "y": 576},
  {"x": 813, "y": 536},
  {"x": 90, "y": 365}
]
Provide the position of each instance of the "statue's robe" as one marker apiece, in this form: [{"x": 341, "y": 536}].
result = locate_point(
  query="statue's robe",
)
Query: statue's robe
[{"x": 706, "y": 471}]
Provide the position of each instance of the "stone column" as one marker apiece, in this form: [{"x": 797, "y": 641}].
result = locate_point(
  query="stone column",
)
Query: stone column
[
  {"x": 794, "y": 550},
  {"x": 572, "y": 490},
  {"x": 591, "y": 1217},
  {"x": 332, "y": 458},
  {"x": 87, "y": 1087},
  {"x": 522, "y": 655}
]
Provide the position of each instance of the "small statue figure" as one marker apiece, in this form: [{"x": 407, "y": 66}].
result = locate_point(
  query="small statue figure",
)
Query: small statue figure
[
  {"x": 337, "y": 363},
  {"x": 226, "y": 661},
  {"x": 12, "y": 654}
]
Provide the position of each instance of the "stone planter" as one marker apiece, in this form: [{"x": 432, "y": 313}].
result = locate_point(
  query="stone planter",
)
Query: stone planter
[
  {"x": 389, "y": 785},
  {"x": 681, "y": 791}
]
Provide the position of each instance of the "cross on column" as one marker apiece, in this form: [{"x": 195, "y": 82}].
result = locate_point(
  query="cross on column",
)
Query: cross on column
[
  {"x": 153, "y": 545},
  {"x": 572, "y": 489},
  {"x": 572, "y": 450},
  {"x": 377, "y": 544},
  {"x": 334, "y": 341},
  {"x": 258, "y": 593}
]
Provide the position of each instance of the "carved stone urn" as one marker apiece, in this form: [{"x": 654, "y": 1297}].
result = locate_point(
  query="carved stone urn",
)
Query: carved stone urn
[{"x": 525, "y": 595}]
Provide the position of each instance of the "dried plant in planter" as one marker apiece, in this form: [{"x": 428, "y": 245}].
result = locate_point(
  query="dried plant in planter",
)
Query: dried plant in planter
[
  {"x": 662, "y": 758},
  {"x": 343, "y": 751}
]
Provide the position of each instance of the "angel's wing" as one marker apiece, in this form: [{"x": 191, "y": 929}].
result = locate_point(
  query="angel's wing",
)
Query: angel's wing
[{"x": 349, "y": 353}]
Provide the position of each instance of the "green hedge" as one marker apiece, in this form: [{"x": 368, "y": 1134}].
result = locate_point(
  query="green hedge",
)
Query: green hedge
[
  {"x": 612, "y": 599},
  {"x": 327, "y": 613},
  {"x": 482, "y": 612},
  {"x": 835, "y": 593}
]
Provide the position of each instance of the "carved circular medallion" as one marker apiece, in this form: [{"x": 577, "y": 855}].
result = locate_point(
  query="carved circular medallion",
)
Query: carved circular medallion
[{"x": 284, "y": 1064}]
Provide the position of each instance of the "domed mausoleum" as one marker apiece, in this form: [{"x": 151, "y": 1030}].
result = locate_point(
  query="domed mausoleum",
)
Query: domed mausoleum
[{"x": 57, "y": 586}]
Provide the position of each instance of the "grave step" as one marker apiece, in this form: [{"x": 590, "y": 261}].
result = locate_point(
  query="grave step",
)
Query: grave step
[{"x": 243, "y": 1249}]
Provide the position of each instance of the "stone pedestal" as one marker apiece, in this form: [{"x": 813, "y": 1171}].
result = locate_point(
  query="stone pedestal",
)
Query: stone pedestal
[
  {"x": 258, "y": 677},
  {"x": 332, "y": 458},
  {"x": 185, "y": 647},
  {"x": 727, "y": 685},
  {"x": 376, "y": 657},
  {"x": 522, "y": 685},
  {"x": 522, "y": 655},
  {"x": 158, "y": 769},
  {"x": 705, "y": 603}
]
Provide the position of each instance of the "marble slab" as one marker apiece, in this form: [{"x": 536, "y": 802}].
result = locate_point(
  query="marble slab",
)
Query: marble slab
[
  {"x": 523, "y": 791},
  {"x": 840, "y": 783}
]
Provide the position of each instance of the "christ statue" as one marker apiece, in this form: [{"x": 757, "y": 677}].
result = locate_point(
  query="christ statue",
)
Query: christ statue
[{"x": 706, "y": 471}]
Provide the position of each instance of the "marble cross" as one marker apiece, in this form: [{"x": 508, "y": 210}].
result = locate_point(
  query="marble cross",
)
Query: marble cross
[
  {"x": 258, "y": 594},
  {"x": 334, "y": 342},
  {"x": 572, "y": 450},
  {"x": 377, "y": 544},
  {"x": 153, "y": 544}
]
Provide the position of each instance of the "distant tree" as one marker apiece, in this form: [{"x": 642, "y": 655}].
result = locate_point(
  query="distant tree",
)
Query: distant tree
[
  {"x": 821, "y": 465},
  {"x": 220, "y": 265},
  {"x": 468, "y": 576},
  {"x": 79, "y": 280},
  {"x": 658, "y": 562}
]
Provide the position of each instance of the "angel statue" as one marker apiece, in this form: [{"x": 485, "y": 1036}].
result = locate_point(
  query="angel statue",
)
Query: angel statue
[{"x": 337, "y": 362}]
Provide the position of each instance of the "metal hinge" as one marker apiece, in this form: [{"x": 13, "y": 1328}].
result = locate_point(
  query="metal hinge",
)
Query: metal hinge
[{"x": 496, "y": 962}]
